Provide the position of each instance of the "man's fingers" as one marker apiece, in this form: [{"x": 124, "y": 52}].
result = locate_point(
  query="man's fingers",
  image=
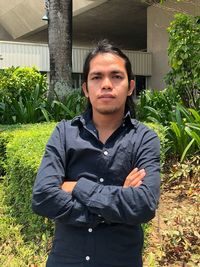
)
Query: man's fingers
[
  {"x": 134, "y": 177},
  {"x": 132, "y": 174},
  {"x": 134, "y": 171},
  {"x": 68, "y": 186},
  {"x": 138, "y": 184},
  {"x": 136, "y": 181},
  {"x": 138, "y": 174}
]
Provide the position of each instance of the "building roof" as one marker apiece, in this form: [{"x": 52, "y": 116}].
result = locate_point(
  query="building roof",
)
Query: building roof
[{"x": 120, "y": 21}]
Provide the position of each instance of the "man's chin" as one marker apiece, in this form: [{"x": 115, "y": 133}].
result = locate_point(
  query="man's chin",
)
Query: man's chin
[{"x": 107, "y": 111}]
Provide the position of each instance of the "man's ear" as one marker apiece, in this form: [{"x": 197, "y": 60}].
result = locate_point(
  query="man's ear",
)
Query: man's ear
[
  {"x": 131, "y": 87},
  {"x": 84, "y": 88}
]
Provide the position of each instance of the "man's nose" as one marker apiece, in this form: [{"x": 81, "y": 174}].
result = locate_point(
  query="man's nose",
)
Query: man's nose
[{"x": 106, "y": 83}]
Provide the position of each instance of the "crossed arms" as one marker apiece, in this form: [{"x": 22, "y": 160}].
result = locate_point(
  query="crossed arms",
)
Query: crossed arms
[
  {"x": 80, "y": 203},
  {"x": 134, "y": 179}
]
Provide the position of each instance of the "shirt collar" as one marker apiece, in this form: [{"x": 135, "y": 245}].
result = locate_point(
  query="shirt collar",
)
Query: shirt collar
[{"x": 86, "y": 118}]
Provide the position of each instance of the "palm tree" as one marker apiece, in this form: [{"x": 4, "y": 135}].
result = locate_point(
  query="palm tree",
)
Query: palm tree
[{"x": 60, "y": 47}]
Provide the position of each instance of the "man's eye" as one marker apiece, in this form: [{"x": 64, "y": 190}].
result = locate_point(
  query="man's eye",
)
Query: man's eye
[
  {"x": 117, "y": 77},
  {"x": 96, "y": 78}
]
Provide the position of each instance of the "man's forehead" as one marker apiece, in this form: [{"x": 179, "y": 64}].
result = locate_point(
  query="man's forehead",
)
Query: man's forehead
[
  {"x": 107, "y": 57},
  {"x": 107, "y": 61}
]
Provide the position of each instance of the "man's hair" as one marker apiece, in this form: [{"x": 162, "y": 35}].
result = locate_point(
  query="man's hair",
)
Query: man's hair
[
  {"x": 105, "y": 47},
  {"x": 102, "y": 47}
]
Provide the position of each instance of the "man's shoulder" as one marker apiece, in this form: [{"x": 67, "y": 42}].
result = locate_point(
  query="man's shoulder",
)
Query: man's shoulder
[
  {"x": 143, "y": 128},
  {"x": 65, "y": 123}
]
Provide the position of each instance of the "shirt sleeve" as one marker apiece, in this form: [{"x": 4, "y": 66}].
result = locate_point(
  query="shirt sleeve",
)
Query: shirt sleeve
[
  {"x": 127, "y": 205},
  {"x": 48, "y": 199}
]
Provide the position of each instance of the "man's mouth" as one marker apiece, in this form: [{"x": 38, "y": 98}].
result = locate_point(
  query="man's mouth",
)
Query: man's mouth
[{"x": 106, "y": 96}]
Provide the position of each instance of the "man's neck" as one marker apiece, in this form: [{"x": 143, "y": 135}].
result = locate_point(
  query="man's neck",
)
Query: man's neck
[{"x": 107, "y": 121}]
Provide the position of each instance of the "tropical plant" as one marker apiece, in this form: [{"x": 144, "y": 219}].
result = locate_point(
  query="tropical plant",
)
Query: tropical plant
[
  {"x": 73, "y": 104},
  {"x": 184, "y": 58},
  {"x": 23, "y": 98},
  {"x": 157, "y": 106},
  {"x": 28, "y": 105},
  {"x": 184, "y": 132}
]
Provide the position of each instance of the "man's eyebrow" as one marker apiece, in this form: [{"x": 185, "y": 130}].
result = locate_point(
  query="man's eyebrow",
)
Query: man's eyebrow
[
  {"x": 95, "y": 73},
  {"x": 112, "y": 72},
  {"x": 117, "y": 72}
]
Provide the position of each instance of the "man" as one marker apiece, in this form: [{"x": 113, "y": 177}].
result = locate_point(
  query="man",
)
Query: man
[{"x": 99, "y": 177}]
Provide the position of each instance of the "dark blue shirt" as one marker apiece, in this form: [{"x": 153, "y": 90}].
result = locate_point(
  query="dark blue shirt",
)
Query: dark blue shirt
[{"x": 99, "y": 223}]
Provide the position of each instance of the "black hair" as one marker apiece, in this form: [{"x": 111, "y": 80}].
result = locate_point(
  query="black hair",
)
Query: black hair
[{"x": 104, "y": 46}]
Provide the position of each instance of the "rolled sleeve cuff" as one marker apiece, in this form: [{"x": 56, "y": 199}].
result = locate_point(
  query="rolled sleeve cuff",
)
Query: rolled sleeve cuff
[{"x": 84, "y": 189}]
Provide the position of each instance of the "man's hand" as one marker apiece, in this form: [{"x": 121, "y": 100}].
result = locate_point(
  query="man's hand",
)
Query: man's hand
[
  {"x": 134, "y": 178},
  {"x": 68, "y": 186}
]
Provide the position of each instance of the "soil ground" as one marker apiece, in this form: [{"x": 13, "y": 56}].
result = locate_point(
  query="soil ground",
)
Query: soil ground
[{"x": 178, "y": 212}]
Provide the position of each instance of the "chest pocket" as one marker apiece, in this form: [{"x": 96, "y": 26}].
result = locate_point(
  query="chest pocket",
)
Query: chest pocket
[{"x": 120, "y": 165}]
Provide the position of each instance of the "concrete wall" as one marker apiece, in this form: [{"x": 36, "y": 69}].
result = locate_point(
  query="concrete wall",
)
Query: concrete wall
[{"x": 159, "y": 17}]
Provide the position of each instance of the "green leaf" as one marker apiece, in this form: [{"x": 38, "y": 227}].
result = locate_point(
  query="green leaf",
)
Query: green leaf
[
  {"x": 186, "y": 150},
  {"x": 180, "y": 62}
]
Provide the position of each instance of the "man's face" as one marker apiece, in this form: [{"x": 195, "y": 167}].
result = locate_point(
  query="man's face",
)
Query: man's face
[{"x": 107, "y": 85}]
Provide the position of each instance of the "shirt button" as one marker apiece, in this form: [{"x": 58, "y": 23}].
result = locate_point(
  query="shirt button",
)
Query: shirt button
[
  {"x": 105, "y": 153},
  {"x": 87, "y": 258},
  {"x": 101, "y": 180},
  {"x": 90, "y": 230}
]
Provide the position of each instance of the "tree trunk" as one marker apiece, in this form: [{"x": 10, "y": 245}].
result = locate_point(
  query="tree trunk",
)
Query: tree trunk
[{"x": 60, "y": 48}]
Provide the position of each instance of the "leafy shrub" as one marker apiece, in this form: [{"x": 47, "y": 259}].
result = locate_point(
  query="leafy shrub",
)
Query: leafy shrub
[
  {"x": 29, "y": 108},
  {"x": 182, "y": 124},
  {"x": 73, "y": 104},
  {"x": 157, "y": 106},
  {"x": 23, "y": 98},
  {"x": 15, "y": 81},
  {"x": 184, "y": 58},
  {"x": 169, "y": 107},
  {"x": 184, "y": 132},
  {"x": 22, "y": 95}
]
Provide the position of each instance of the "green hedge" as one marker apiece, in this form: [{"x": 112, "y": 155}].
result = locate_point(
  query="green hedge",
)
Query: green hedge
[
  {"x": 27, "y": 235},
  {"x": 22, "y": 148}
]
